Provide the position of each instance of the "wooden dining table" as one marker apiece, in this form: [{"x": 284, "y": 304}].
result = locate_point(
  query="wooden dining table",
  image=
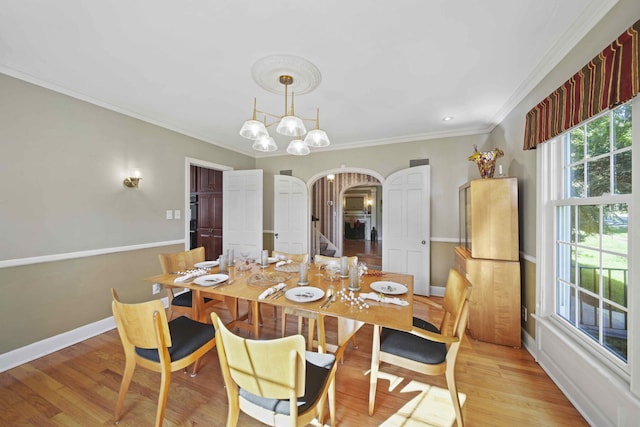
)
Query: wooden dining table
[{"x": 241, "y": 285}]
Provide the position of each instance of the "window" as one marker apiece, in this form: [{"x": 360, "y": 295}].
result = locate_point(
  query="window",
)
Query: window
[{"x": 591, "y": 212}]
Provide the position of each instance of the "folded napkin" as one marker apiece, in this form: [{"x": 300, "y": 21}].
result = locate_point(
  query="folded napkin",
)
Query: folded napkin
[
  {"x": 381, "y": 298},
  {"x": 281, "y": 263},
  {"x": 190, "y": 275},
  {"x": 271, "y": 290}
]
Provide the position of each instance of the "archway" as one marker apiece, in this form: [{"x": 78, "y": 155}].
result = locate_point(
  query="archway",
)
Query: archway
[{"x": 326, "y": 206}]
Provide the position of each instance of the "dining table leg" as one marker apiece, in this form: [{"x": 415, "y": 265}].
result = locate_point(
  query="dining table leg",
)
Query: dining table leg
[{"x": 375, "y": 365}]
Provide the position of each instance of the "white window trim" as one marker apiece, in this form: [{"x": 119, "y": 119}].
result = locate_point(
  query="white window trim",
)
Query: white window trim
[{"x": 593, "y": 365}]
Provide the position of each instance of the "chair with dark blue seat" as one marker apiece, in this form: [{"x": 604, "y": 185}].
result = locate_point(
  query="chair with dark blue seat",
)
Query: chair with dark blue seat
[
  {"x": 152, "y": 342},
  {"x": 427, "y": 349},
  {"x": 275, "y": 381}
]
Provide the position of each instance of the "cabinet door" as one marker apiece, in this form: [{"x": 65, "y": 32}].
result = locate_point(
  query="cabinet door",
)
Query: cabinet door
[
  {"x": 210, "y": 224},
  {"x": 494, "y": 303},
  {"x": 494, "y": 219}
]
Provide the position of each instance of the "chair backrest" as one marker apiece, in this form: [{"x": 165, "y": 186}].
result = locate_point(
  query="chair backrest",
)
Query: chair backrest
[
  {"x": 268, "y": 368},
  {"x": 324, "y": 260},
  {"x": 142, "y": 325},
  {"x": 292, "y": 257},
  {"x": 455, "y": 303},
  {"x": 181, "y": 261}
]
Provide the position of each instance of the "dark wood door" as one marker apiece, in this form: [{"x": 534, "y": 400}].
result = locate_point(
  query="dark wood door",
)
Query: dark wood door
[
  {"x": 209, "y": 180},
  {"x": 209, "y": 224}
]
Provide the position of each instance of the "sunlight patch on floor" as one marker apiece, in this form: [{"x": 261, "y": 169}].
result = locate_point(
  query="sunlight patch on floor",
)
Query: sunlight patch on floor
[{"x": 432, "y": 407}]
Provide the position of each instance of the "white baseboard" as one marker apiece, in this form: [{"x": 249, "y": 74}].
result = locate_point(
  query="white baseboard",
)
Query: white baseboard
[
  {"x": 437, "y": 291},
  {"x": 47, "y": 346}
]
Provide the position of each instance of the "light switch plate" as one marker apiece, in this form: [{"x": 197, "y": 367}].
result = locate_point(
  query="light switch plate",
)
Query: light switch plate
[
  {"x": 176, "y": 214},
  {"x": 169, "y": 214}
]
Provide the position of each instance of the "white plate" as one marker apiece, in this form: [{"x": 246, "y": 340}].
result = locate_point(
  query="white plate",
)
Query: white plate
[
  {"x": 206, "y": 264},
  {"x": 272, "y": 259},
  {"x": 211, "y": 279},
  {"x": 304, "y": 294},
  {"x": 389, "y": 288}
]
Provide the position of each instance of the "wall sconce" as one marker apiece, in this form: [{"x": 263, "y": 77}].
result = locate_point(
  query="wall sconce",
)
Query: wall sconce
[
  {"x": 132, "y": 181},
  {"x": 331, "y": 177}
]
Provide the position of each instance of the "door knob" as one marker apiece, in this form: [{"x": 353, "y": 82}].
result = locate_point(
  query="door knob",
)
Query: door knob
[
  {"x": 276, "y": 235},
  {"x": 424, "y": 242}
]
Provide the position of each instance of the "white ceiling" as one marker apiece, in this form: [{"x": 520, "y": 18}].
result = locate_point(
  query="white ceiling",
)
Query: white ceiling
[{"x": 391, "y": 70}]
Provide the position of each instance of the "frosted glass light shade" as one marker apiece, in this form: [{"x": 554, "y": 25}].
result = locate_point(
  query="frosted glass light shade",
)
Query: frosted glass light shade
[
  {"x": 291, "y": 126},
  {"x": 253, "y": 129},
  {"x": 265, "y": 143},
  {"x": 297, "y": 147},
  {"x": 317, "y": 138}
]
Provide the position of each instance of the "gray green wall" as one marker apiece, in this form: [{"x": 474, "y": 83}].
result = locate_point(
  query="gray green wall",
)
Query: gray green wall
[{"x": 62, "y": 162}]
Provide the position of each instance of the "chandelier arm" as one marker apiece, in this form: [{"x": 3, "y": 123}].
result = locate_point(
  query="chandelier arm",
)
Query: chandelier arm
[{"x": 275, "y": 116}]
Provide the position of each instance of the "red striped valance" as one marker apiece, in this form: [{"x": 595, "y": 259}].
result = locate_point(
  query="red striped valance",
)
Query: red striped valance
[{"x": 610, "y": 79}]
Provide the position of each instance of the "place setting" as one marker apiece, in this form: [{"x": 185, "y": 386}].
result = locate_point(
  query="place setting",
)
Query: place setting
[
  {"x": 383, "y": 289},
  {"x": 211, "y": 279}
]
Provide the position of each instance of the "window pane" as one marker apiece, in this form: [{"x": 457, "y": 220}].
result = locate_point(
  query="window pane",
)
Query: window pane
[
  {"x": 576, "y": 144},
  {"x": 589, "y": 270},
  {"x": 589, "y": 225},
  {"x": 589, "y": 316},
  {"x": 615, "y": 228},
  {"x": 565, "y": 302},
  {"x": 576, "y": 184},
  {"x": 622, "y": 173},
  {"x": 615, "y": 330},
  {"x": 567, "y": 262},
  {"x": 622, "y": 126},
  {"x": 615, "y": 276},
  {"x": 598, "y": 136},
  {"x": 598, "y": 177}
]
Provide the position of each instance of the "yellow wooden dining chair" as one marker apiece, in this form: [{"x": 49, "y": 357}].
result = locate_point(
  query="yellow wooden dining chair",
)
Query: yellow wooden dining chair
[
  {"x": 427, "y": 349},
  {"x": 153, "y": 343},
  {"x": 181, "y": 261},
  {"x": 275, "y": 381}
]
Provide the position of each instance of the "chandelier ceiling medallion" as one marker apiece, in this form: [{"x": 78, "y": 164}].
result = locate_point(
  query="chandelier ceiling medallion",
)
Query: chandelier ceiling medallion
[{"x": 278, "y": 74}]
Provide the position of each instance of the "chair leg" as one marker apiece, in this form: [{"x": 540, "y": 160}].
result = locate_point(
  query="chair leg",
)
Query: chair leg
[
  {"x": 283, "y": 327},
  {"x": 311, "y": 323},
  {"x": 322, "y": 342},
  {"x": 165, "y": 380},
  {"x": 196, "y": 367},
  {"x": 127, "y": 375},
  {"x": 449, "y": 374},
  {"x": 332, "y": 402}
]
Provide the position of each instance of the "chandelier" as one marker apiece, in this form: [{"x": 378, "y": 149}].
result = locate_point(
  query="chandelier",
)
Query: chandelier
[{"x": 288, "y": 124}]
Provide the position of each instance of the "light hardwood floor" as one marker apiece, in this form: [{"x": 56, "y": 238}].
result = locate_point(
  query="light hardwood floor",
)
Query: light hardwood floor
[{"x": 77, "y": 386}]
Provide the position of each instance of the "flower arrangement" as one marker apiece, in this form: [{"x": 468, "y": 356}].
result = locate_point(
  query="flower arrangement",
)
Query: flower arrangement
[{"x": 486, "y": 161}]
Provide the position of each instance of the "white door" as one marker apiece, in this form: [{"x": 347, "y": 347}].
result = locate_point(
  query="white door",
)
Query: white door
[
  {"x": 242, "y": 211},
  {"x": 405, "y": 222},
  {"x": 290, "y": 217}
]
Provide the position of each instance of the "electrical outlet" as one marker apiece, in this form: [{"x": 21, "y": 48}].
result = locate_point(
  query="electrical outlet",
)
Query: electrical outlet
[
  {"x": 524, "y": 313},
  {"x": 155, "y": 288}
]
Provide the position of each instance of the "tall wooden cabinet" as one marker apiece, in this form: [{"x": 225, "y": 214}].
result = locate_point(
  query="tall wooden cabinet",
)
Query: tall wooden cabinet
[{"x": 488, "y": 256}]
